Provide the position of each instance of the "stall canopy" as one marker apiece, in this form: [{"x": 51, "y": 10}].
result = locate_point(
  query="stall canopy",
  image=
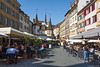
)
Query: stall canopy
[
  {"x": 28, "y": 34},
  {"x": 12, "y": 32},
  {"x": 74, "y": 41},
  {"x": 92, "y": 34},
  {"x": 3, "y": 35}
]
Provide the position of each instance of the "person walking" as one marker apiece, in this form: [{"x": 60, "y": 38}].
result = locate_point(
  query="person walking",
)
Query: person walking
[{"x": 86, "y": 53}]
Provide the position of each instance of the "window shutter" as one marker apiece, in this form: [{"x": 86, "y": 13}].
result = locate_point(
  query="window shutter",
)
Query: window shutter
[
  {"x": 85, "y": 22},
  {"x": 94, "y": 6},
  {"x": 89, "y": 9},
  {"x": 98, "y": 4},
  {"x": 84, "y": 12},
  {"x": 78, "y": 26},
  {"x": 95, "y": 18},
  {"x": 89, "y": 20},
  {"x": 99, "y": 16}
]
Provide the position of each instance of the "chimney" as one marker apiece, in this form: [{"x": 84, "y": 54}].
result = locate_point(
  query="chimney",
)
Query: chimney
[{"x": 70, "y": 4}]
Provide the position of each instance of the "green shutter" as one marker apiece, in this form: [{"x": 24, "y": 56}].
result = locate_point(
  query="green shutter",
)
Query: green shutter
[
  {"x": 83, "y": 15},
  {"x": 80, "y": 25},
  {"x": 77, "y": 26},
  {"x": 84, "y": 24},
  {"x": 77, "y": 18}
]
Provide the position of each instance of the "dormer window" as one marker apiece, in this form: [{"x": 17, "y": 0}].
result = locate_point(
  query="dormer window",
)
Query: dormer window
[
  {"x": 43, "y": 27},
  {"x": 87, "y": 2}
]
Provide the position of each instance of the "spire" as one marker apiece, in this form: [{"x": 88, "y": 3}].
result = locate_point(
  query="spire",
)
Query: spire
[
  {"x": 45, "y": 18},
  {"x": 50, "y": 24},
  {"x": 36, "y": 18}
]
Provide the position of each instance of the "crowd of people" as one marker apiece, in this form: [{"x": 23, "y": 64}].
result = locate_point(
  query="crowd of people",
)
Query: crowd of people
[
  {"x": 18, "y": 49},
  {"x": 86, "y": 49}
]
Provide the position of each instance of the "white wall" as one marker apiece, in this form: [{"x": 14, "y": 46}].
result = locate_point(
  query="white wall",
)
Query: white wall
[
  {"x": 81, "y": 4},
  {"x": 90, "y": 15}
]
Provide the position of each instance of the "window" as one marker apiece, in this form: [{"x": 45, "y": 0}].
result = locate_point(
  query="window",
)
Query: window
[
  {"x": 8, "y": 9},
  {"x": 99, "y": 16},
  {"x": 0, "y": 5},
  {"x": 87, "y": 11},
  {"x": 43, "y": 32},
  {"x": 21, "y": 18},
  {"x": 0, "y": 19},
  {"x": 93, "y": 18},
  {"x": 43, "y": 27},
  {"x": 21, "y": 25},
  {"x": 11, "y": 23},
  {"x": 87, "y": 22},
  {"x": 4, "y": 7},
  {"x": 98, "y": 4},
  {"x": 87, "y": 2},
  {"x": 80, "y": 16},
  {"x": 80, "y": 25},
  {"x": 84, "y": 24},
  {"x": 83, "y": 15},
  {"x": 49, "y": 32},
  {"x": 15, "y": 24},
  {"x": 6, "y": 20}
]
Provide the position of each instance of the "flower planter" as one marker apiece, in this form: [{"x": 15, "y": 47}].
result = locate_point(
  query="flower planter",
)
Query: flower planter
[{"x": 25, "y": 56}]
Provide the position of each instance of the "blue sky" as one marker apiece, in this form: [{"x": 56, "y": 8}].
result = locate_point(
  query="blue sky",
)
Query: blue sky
[{"x": 57, "y": 8}]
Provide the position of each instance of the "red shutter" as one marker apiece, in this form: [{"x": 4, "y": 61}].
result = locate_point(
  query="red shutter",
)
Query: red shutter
[
  {"x": 95, "y": 18},
  {"x": 85, "y": 22},
  {"x": 89, "y": 9},
  {"x": 84, "y": 12},
  {"x": 94, "y": 6},
  {"x": 89, "y": 20}
]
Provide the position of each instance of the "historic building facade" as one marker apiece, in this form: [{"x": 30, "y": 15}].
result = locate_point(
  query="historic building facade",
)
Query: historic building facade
[
  {"x": 9, "y": 13},
  {"x": 56, "y": 30},
  {"x": 73, "y": 18},
  {"x": 42, "y": 28},
  {"x": 62, "y": 30},
  {"x": 67, "y": 28},
  {"x": 25, "y": 24}
]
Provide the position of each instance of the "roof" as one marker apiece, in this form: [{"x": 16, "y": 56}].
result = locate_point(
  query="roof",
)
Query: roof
[
  {"x": 58, "y": 25},
  {"x": 50, "y": 25}
]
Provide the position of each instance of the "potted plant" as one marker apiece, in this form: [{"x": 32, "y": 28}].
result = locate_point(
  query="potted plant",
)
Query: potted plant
[{"x": 27, "y": 41}]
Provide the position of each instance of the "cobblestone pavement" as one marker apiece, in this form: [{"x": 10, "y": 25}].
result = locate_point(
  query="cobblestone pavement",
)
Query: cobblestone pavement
[{"x": 56, "y": 57}]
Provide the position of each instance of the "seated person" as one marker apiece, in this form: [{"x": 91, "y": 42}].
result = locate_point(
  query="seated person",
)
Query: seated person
[
  {"x": 11, "y": 55},
  {"x": 0, "y": 48},
  {"x": 42, "y": 48}
]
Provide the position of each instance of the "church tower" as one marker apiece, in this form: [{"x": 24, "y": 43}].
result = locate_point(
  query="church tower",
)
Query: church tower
[{"x": 50, "y": 29}]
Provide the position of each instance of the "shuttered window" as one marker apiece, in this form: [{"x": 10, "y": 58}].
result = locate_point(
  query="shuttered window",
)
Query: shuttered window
[
  {"x": 77, "y": 18},
  {"x": 87, "y": 22},
  {"x": 84, "y": 24},
  {"x": 0, "y": 5},
  {"x": 99, "y": 16},
  {"x": 98, "y": 4},
  {"x": 0, "y": 19},
  {"x": 80, "y": 25},
  {"x": 93, "y": 19}
]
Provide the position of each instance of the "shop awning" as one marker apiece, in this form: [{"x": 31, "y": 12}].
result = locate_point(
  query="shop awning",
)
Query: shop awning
[
  {"x": 28, "y": 34},
  {"x": 11, "y": 32},
  {"x": 3, "y": 35},
  {"x": 92, "y": 34}
]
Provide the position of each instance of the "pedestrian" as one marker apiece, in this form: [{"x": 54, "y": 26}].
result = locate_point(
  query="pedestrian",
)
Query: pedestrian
[{"x": 86, "y": 53}]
